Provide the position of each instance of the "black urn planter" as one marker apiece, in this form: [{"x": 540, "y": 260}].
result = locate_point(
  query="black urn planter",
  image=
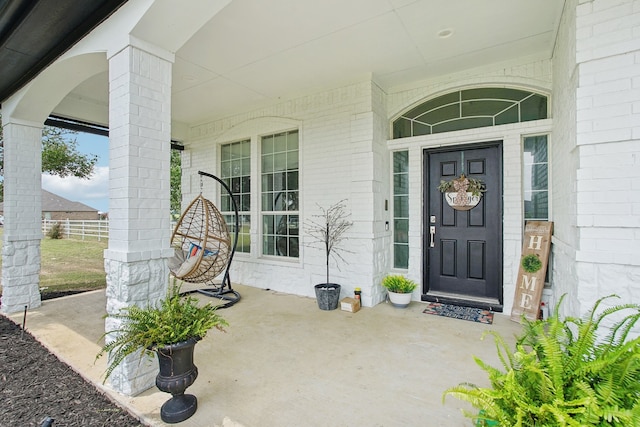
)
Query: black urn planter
[
  {"x": 177, "y": 372},
  {"x": 327, "y": 295}
]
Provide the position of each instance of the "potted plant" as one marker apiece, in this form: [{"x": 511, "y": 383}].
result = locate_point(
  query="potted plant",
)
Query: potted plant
[
  {"x": 328, "y": 231},
  {"x": 563, "y": 372},
  {"x": 171, "y": 331},
  {"x": 399, "y": 289},
  {"x": 462, "y": 193}
]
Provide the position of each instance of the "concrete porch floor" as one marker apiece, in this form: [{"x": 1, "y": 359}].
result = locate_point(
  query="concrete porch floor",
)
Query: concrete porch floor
[{"x": 283, "y": 362}]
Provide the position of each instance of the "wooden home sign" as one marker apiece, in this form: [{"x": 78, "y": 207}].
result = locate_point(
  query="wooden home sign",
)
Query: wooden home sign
[{"x": 533, "y": 268}]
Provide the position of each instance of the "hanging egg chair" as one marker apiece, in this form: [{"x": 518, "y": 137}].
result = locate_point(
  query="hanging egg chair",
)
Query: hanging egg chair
[{"x": 203, "y": 246}]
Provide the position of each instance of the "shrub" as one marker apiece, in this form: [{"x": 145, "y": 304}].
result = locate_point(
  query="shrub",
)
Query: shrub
[
  {"x": 399, "y": 284},
  {"x": 56, "y": 231},
  {"x": 563, "y": 373}
]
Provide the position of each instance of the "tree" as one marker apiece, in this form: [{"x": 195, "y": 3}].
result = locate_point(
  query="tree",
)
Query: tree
[
  {"x": 176, "y": 182},
  {"x": 60, "y": 155}
]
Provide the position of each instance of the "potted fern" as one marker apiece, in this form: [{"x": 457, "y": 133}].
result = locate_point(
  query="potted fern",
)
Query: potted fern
[
  {"x": 563, "y": 372},
  {"x": 399, "y": 289},
  {"x": 170, "y": 331}
]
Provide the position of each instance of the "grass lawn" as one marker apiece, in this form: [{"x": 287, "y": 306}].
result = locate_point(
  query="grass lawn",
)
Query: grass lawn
[{"x": 71, "y": 264}]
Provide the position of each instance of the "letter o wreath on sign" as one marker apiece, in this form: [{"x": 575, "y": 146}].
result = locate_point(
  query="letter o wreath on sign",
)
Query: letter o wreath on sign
[{"x": 531, "y": 263}]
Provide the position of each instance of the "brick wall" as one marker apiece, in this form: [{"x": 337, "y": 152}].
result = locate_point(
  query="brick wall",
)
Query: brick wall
[{"x": 608, "y": 140}]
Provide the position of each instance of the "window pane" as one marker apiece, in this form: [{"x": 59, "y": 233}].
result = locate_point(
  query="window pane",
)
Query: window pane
[
  {"x": 292, "y": 141},
  {"x": 280, "y": 162},
  {"x": 267, "y": 163},
  {"x": 536, "y": 205},
  {"x": 402, "y": 128},
  {"x": 267, "y": 182},
  {"x": 401, "y": 183},
  {"x": 400, "y": 256},
  {"x": 400, "y": 161},
  {"x": 401, "y": 206},
  {"x": 533, "y": 108},
  {"x": 401, "y": 228},
  {"x": 508, "y": 116},
  {"x": 280, "y": 143}
]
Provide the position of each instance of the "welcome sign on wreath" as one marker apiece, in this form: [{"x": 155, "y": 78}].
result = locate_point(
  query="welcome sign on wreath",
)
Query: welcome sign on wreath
[{"x": 533, "y": 269}]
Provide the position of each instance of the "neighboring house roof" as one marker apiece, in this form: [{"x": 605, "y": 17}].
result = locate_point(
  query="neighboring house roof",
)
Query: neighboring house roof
[
  {"x": 54, "y": 203},
  {"x": 34, "y": 33}
]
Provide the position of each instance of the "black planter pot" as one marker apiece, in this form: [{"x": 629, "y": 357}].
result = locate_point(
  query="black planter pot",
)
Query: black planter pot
[
  {"x": 177, "y": 372},
  {"x": 327, "y": 295}
]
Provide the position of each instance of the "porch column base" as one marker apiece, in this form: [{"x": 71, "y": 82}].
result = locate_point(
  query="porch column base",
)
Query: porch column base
[
  {"x": 140, "y": 283},
  {"x": 20, "y": 275}
]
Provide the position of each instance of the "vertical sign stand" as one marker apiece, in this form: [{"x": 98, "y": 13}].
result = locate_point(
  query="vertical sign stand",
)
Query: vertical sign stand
[{"x": 533, "y": 268}]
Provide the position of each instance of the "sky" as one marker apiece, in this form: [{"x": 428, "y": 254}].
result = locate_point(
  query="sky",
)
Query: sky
[{"x": 93, "y": 192}]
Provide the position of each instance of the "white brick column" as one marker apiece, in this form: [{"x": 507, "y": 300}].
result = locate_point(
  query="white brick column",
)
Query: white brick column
[
  {"x": 139, "y": 217},
  {"x": 608, "y": 138},
  {"x": 22, "y": 213}
]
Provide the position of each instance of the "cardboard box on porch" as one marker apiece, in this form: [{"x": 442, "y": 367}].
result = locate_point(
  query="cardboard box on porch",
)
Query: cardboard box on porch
[{"x": 349, "y": 304}]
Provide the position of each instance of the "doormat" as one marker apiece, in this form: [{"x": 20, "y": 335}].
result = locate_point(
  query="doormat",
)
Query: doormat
[{"x": 457, "y": 312}]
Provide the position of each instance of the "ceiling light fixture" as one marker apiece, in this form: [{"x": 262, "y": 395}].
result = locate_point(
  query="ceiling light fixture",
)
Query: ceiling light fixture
[{"x": 446, "y": 33}]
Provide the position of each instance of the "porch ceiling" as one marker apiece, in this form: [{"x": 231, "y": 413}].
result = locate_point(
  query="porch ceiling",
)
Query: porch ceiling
[
  {"x": 253, "y": 53},
  {"x": 33, "y": 33}
]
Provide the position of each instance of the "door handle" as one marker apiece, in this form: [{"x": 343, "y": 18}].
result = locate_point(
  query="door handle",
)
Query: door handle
[{"x": 432, "y": 234}]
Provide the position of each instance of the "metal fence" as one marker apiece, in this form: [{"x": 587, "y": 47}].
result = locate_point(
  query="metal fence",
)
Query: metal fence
[{"x": 79, "y": 229}]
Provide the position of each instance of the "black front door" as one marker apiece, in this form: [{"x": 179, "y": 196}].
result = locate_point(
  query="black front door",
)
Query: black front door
[{"x": 463, "y": 249}]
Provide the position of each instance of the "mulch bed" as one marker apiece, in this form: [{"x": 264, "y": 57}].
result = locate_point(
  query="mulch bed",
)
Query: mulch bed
[{"x": 36, "y": 385}]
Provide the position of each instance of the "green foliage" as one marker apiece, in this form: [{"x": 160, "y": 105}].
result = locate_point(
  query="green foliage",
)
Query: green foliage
[
  {"x": 60, "y": 155},
  {"x": 531, "y": 263},
  {"x": 176, "y": 183},
  {"x": 177, "y": 319},
  {"x": 571, "y": 372},
  {"x": 399, "y": 284},
  {"x": 56, "y": 231},
  {"x": 473, "y": 186}
]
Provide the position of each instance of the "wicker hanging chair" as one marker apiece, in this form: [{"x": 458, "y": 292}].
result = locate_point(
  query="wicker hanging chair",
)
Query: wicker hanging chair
[
  {"x": 203, "y": 246},
  {"x": 202, "y": 243}
]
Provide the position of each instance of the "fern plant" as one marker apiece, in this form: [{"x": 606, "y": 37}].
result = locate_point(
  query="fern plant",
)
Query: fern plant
[
  {"x": 177, "y": 319},
  {"x": 571, "y": 372}
]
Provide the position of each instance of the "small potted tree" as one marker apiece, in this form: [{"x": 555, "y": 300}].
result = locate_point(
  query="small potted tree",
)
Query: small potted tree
[
  {"x": 399, "y": 289},
  {"x": 171, "y": 331},
  {"x": 327, "y": 232}
]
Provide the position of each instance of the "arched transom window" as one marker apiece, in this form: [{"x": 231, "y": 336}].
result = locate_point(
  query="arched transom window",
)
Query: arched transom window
[{"x": 471, "y": 108}]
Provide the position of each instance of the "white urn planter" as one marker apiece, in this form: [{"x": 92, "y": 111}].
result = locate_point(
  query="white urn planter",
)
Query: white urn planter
[{"x": 399, "y": 300}]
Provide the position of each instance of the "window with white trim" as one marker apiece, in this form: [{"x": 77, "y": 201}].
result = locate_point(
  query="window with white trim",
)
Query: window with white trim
[
  {"x": 401, "y": 209},
  {"x": 535, "y": 180},
  {"x": 235, "y": 171},
  {"x": 279, "y": 194}
]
